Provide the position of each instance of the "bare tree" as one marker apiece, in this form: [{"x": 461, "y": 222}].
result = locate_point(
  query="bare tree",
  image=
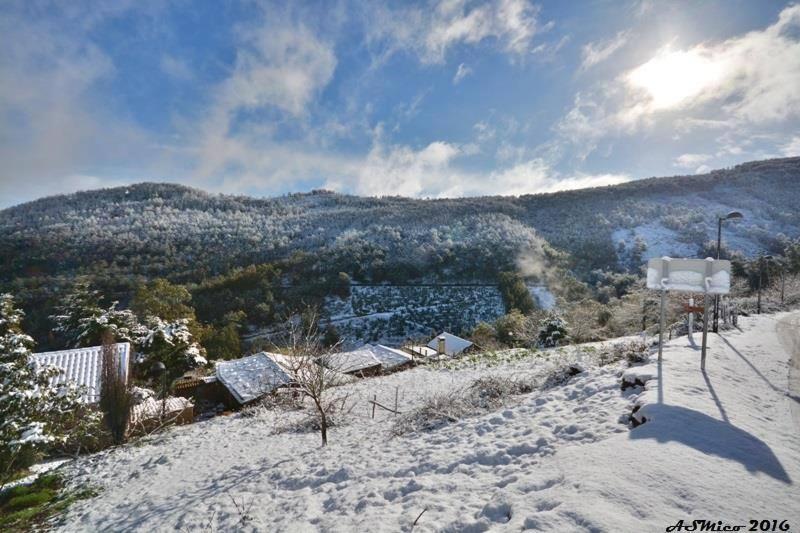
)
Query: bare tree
[{"x": 314, "y": 370}]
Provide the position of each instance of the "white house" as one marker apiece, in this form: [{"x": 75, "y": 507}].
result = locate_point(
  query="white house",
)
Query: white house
[
  {"x": 84, "y": 367},
  {"x": 449, "y": 344}
]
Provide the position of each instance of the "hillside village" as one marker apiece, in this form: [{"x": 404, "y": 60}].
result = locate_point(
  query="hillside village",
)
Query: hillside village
[{"x": 451, "y": 266}]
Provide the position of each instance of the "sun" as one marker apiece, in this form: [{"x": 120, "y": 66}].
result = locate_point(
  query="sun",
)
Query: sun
[{"x": 675, "y": 78}]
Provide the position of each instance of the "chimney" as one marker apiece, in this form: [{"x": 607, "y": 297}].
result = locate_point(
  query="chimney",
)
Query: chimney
[{"x": 441, "y": 340}]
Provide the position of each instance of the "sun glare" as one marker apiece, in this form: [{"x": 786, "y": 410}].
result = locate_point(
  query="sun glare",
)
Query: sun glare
[{"x": 674, "y": 78}]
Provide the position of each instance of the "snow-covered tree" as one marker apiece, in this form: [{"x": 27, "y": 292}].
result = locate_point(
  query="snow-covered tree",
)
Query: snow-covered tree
[
  {"x": 32, "y": 414},
  {"x": 82, "y": 321},
  {"x": 170, "y": 343},
  {"x": 81, "y": 302},
  {"x": 552, "y": 331},
  {"x": 118, "y": 324}
]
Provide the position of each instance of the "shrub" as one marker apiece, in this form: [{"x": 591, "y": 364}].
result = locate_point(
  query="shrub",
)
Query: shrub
[
  {"x": 30, "y": 500},
  {"x": 552, "y": 331},
  {"x": 635, "y": 351},
  {"x": 483, "y": 394}
]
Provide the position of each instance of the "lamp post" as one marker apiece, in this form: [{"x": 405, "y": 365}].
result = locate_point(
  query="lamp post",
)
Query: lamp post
[
  {"x": 761, "y": 262},
  {"x": 161, "y": 368},
  {"x": 729, "y": 216}
]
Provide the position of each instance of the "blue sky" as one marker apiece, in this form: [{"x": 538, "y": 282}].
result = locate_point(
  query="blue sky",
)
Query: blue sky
[{"x": 425, "y": 99}]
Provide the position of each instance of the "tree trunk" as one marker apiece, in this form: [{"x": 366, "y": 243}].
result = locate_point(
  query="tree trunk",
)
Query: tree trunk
[{"x": 323, "y": 427}]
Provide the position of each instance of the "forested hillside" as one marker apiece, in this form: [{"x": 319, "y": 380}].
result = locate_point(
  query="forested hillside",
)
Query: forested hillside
[
  {"x": 186, "y": 234},
  {"x": 316, "y": 243}
]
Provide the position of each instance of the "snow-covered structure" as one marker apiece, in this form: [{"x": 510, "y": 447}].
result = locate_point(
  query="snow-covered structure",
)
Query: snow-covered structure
[
  {"x": 390, "y": 358},
  {"x": 251, "y": 377},
  {"x": 420, "y": 351},
  {"x": 449, "y": 344},
  {"x": 361, "y": 362},
  {"x": 179, "y": 410},
  {"x": 84, "y": 367}
]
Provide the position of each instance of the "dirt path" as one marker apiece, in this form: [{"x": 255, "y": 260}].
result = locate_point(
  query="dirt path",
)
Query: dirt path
[{"x": 789, "y": 335}]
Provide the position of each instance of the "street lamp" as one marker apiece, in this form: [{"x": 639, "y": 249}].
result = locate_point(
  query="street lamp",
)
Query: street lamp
[
  {"x": 161, "y": 368},
  {"x": 760, "y": 276},
  {"x": 729, "y": 216}
]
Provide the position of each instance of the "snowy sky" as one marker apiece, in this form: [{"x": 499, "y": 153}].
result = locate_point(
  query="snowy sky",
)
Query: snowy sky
[{"x": 448, "y": 98}]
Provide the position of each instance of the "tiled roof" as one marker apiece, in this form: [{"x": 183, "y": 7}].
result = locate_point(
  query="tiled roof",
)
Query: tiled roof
[
  {"x": 251, "y": 377},
  {"x": 390, "y": 357},
  {"x": 84, "y": 367},
  {"x": 353, "y": 361},
  {"x": 153, "y": 408}
]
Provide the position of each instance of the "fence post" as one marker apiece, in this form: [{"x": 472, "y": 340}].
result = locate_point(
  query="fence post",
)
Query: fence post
[
  {"x": 396, "y": 392},
  {"x": 374, "y": 400}
]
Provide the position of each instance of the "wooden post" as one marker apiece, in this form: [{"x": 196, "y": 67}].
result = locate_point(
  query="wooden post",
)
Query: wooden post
[
  {"x": 705, "y": 333},
  {"x": 396, "y": 392},
  {"x": 374, "y": 400},
  {"x": 661, "y": 323}
]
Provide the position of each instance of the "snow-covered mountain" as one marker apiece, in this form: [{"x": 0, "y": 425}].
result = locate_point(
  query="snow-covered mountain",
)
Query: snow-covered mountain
[{"x": 164, "y": 229}]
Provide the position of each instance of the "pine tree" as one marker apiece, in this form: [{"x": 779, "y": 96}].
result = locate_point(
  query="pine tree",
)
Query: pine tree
[
  {"x": 170, "y": 343},
  {"x": 552, "y": 331},
  {"x": 82, "y": 321},
  {"x": 80, "y": 303},
  {"x": 32, "y": 413}
]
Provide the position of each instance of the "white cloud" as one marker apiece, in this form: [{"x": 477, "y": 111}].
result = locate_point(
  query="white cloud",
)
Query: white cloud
[
  {"x": 791, "y": 148},
  {"x": 702, "y": 169},
  {"x": 279, "y": 67},
  {"x": 433, "y": 171},
  {"x": 431, "y": 30},
  {"x": 752, "y": 77},
  {"x": 462, "y": 72},
  {"x": 407, "y": 172},
  {"x": 739, "y": 84},
  {"x": 175, "y": 68},
  {"x": 743, "y": 82},
  {"x": 284, "y": 67},
  {"x": 55, "y": 125},
  {"x": 597, "y": 52},
  {"x": 691, "y": 160}
]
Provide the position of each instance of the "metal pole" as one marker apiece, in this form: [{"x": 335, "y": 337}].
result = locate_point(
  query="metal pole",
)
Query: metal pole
[
  {"x": 716, "y": 297},
  {"x": 760, "y": 272},
  {"x": 705, "y": 333},
  {"x": 661, "y": 324}
]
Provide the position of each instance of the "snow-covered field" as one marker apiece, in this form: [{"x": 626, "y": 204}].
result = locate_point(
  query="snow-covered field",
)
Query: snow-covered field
[{"x": 723, "y": 446}]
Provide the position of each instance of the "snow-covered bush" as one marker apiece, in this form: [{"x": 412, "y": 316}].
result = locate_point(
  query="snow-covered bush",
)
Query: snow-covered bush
[
  {"x": 561, "y": 374},
  {"x": 483, "y": 394},
  {"x": 635, "y": 351},
  {"x": 33, "y": 415},
  {"x": 552, "y": 331}
]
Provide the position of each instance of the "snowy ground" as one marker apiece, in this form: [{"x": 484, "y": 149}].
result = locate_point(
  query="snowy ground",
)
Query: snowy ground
[{"x": 722, "y": 446}]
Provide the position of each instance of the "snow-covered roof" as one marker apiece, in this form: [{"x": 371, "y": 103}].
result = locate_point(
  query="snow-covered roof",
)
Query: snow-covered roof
[
  {"x": 354, "y": 361},
  {"x": 153, "y": 408},
  {"x": 390, "y": 357},
  {"x": 452, "y": 345},
  {"x": 84, "y": 367},
  {"x": 251, "y": 377},
  {"x": 422, "y": 350}
]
